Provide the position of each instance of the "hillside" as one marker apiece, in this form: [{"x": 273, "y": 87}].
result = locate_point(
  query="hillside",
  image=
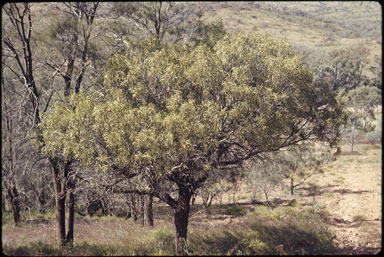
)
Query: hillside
[{"x": 308, "y": 26}]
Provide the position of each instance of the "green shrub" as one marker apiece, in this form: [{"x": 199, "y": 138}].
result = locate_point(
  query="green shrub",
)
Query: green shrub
[
  {"x": 358, "y": 218},
  {"x": 236, "y": 210}
]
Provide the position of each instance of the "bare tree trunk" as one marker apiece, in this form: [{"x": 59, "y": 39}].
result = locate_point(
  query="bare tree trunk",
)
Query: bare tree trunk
[
  {"x": 181, "y": 221},
  {"x": 133, "y": 206},
  {"x": 129, "y": 214},
  {"x": 353, "y": 136},
  {"x": 141, "y": 209},
  {"x": 15, "y": 204},
  {"x": 292, "y": 186},
  {"x": 60, "y": 219},
  {"x": 69, "y": 213},
  {"x": 148, "y": 210},
  {"x": 60, "y": 195}
]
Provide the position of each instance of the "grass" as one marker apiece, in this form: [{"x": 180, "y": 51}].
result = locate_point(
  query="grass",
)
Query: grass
[
  {"x": 328, "y": 195},
  {"x": 282, "y": 231},
  {"x": 285, "y": 231}
]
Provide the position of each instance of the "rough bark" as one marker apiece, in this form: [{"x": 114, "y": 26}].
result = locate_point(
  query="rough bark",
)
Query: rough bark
[
  {"x": 133, "y": 206},
  {"x": 181, "y": 220},
  {"x": 69, "y": 213},
  {"x": 292, "y": 186},
  {"x": 15, "y": 204},
  {"x": 60, "y": 204},
  {"x": 141, "y": 200},
  {"x": 148, "y": 210}
]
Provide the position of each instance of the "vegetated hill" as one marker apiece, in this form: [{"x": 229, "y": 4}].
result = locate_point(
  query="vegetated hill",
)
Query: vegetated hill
[
  {"x": 316, "y": 27},
  {"x": 308, "y": 26}
]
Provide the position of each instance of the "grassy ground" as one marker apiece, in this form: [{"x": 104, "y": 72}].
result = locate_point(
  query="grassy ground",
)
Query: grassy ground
[{"x": 286, "y": 230}]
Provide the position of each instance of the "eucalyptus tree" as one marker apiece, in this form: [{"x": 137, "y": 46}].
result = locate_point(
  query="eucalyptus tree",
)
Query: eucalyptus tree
[
  {"x": 173, "y": 113},
  {"x": 346, "y": 68},
  {"x": 362, "y": 102}
]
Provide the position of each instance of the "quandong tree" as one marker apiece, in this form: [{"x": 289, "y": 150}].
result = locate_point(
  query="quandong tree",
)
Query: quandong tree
[{"x": 170, "y": 114}]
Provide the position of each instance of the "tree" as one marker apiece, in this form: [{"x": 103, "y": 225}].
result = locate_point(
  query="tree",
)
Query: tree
[
  {"x": 216, "y": 184},
  {"x": 163, "y": 20},
  {"x": 21, "y": 62},
  {"x": 265, "y": 174},
  {"x": 346, "y": 68},
  {"x": 303, "y": 161},
  {"x": 362, "y": 102},
  {"x": 172, "y": 113}
]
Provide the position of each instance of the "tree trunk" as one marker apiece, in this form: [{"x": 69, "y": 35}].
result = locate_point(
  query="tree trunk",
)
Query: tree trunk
[
  {"x": 40, "y": 197},
  {"x": 181, "y": 221},
  {"x": 292, "y": 186},
  {"x": 14, "y": 200},
  {"x": 141, "y": 209},
  {"x": 353, "y": 136},
  {"x": 60, "y": 219},
  {"x": 133, "y": 207},
  {"x": 148, "y": 210},
  {"x": 129, "y": 214},
  {"x": 60, "y": 203},
  {"x": 193, "y": 199},
  {"x": 69, "y": 215}
]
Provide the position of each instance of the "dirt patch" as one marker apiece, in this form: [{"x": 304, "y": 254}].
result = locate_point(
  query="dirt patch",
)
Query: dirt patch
[{"x": 354, "y": 200}]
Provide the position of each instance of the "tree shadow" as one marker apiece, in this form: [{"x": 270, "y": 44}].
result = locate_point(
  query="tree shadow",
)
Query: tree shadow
[{"x": 348, "y": 191}]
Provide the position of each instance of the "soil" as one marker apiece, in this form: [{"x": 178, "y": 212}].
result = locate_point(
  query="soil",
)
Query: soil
[{"x": 351, "y": 193}]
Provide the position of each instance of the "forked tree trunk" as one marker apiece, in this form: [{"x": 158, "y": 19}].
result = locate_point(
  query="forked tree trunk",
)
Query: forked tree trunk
[
  {"x": 181, "y": 221},
  {"x": 64, "y": 203},
  {"x": 60, "y": 204}
]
